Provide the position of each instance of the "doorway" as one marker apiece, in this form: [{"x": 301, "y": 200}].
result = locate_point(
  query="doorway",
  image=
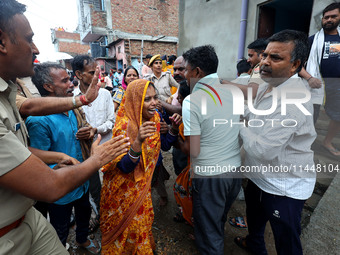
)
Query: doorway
[{"x": 277, "y": 15}]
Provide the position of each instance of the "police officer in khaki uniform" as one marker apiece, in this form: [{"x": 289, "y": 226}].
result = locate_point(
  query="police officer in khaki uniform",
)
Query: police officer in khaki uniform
[{"x": 24, "y": 178}]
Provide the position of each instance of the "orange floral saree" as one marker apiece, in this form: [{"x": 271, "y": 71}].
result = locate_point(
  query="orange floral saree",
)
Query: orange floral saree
[
  {"x": 126, "y": 212},
  {"x": 183, "y": 188}
]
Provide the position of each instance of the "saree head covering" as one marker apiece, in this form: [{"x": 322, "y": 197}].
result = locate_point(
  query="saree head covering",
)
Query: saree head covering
[{"x": 126, "y": 206}]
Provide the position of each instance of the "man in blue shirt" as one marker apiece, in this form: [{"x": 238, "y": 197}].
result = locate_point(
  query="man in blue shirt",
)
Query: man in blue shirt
[{"x": 62, "y": 133}]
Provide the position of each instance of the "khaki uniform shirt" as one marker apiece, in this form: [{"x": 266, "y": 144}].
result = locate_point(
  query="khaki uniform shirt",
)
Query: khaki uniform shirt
[
  {"x": 22, "y": 94},
  {"x": 255, "y": 75},
  {"x": 163, "y": 84},
  {"x": 13, "y": 152}
]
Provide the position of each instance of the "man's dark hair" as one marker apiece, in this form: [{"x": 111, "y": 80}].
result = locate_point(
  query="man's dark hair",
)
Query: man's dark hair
[
  {"x": 120, "y": 69},
  {"x": 184, "y": 88},
  {"x": 331, "y": 7},
  {"x": 8, "y": 9},
  {"x": 300, "y": 40},
  {"x": 80, "y": 61},
  {"x": 243, "y": 66},
  {"x": 203, "y": 57},
  {"x": 171, "y": 59},
  {"x": 148, "y": 56},
  {"x": 75, "y": 82},
  {"x": 259, "y": 45},
  {"x": 42, "y": 75}
]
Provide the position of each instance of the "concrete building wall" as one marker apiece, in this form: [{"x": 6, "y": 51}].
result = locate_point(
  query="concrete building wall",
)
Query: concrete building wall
[
  {"x": 217, "y": 22},
  {"x": 120, "y": 53},
  {"x": 315, "y": 23}
]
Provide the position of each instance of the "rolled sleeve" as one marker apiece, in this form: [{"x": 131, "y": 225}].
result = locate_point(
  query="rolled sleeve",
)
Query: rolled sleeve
[
  {"x": 12, "y": 151},
  {"x": 19, "y": 100},
  {"x": 190, "y": 118}
]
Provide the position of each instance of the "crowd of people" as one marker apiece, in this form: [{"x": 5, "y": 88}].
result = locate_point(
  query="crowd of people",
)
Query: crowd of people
[{"x": 96, "y": 142}]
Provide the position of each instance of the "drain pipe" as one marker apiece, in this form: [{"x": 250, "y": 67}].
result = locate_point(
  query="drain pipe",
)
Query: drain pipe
[{"x": 243, "y": 28}]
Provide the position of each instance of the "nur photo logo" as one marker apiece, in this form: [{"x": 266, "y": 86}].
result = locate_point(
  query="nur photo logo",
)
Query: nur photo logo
[{"x": 204, "y": 99}]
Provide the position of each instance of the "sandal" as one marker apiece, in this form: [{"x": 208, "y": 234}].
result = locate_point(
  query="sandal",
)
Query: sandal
[
  {"x": 179, "y": 218},
  {"x": 94, "y": 224},
  {"x": 241, "y": 242},
  {"x": 238, "y": 222},
  {"x": 335, "y": 152},
  {"x": 92, "y": 247}
]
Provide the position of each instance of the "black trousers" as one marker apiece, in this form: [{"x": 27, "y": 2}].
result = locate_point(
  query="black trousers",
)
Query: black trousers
[
  {"x": 212, "y": 199},
  {"x": 179, "y": 160},
  {"x": 284, "y": 215},
  {"x": 316, "y": 112},
  {"x": 60, "y": 218},
  {"x": 95, "y": 189}
]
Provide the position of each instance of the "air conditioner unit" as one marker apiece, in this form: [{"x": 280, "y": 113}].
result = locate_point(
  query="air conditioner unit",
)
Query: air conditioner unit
[{"x": 103, "y": 44}]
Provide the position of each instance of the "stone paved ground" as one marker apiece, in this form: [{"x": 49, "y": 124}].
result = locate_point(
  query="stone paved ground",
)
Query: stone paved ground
[{"x": 173, "y": 238}]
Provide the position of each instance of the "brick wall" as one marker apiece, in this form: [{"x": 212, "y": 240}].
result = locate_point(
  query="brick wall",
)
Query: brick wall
[
  {"x": 153, "y": 48},
  {"x": 98, "y": 18},
  {"x": 151, "y": 17},
  {"x": 73, "y": 48},
  {"x": 67, "y": 35},
  {"x": 73, "y": 44}
]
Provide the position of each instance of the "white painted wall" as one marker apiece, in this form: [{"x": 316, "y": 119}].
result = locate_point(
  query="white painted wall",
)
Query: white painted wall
[{"x": 217, "y": 22}]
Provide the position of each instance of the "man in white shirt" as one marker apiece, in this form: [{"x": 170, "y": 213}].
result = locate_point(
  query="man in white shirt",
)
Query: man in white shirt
[
  {"x": 213, "y": 148},
  {"x": 243, "y": 72},
  {"x": 279, "y": 159},
  {"x": 100, "y": 114}
]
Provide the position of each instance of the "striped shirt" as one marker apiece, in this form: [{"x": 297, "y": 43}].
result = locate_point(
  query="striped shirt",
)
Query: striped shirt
[{"x": 279, "y": 159}]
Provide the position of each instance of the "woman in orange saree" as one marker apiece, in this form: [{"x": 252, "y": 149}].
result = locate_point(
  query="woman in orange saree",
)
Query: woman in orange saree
[{"x": 126, "y": 206}]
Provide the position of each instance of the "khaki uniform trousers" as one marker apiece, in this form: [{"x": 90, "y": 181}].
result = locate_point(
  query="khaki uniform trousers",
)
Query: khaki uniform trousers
[{"x": 35, "y": 235}]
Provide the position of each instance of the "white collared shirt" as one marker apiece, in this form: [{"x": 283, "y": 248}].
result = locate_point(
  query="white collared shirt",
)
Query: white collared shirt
[
  {"x": 283, "y": 143},
  {"x": 101, "y": 114}
]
